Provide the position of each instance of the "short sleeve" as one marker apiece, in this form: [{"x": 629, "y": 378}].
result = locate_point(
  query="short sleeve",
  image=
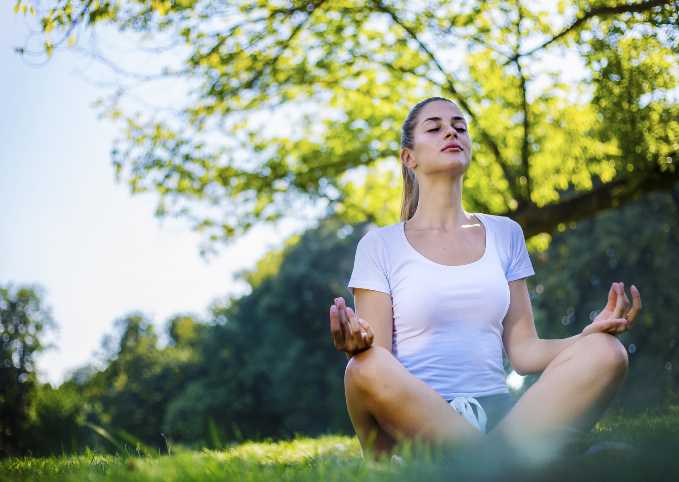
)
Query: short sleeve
[
  {"x": 520, "y": 265},
  {"x": 370, "y": 265}
]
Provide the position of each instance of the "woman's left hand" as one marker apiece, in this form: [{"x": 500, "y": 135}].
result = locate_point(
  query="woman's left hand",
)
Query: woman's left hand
[{"x": 618, "y": 314}]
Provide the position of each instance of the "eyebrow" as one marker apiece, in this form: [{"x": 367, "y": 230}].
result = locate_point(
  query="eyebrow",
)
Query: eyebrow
[{"x": 455, "y": 118}]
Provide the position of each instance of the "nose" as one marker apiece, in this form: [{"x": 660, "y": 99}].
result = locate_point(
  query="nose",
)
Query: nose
[{"x": 451, "y": 130}]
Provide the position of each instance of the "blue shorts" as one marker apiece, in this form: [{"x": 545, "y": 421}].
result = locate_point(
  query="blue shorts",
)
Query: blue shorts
[{"x": 492, "y": 409}]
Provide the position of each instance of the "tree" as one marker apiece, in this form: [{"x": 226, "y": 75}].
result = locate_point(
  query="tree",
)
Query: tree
[
  {"x": 549, "y": 150},
  {"x": 24, "y": 318}
]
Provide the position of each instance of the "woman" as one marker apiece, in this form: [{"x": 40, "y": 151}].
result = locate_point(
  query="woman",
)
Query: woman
[{"x": 438, "y": 297}]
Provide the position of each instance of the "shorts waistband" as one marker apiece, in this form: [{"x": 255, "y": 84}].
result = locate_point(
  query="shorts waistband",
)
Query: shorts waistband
[{"x": 463, "y": 406}]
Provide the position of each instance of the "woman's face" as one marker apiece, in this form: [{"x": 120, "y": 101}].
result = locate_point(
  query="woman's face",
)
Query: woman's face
[{"x": 441, "y": 140}]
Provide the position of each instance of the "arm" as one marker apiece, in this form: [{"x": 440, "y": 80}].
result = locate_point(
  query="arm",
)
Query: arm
[
  {"x": 375, "y": 308},
  {"x": 527, "y": 353},
  {"x": 530, "y": 354}
]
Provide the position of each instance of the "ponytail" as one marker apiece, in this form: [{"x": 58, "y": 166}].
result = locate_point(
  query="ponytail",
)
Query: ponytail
[{"x": 411, "y": 193}]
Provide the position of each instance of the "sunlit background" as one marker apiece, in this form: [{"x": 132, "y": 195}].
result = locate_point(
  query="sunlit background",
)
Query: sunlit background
[
  {"x": 166, "y": 332},
  {"x": 68, "y": 226},
  {"x": 98, "y": 251}
]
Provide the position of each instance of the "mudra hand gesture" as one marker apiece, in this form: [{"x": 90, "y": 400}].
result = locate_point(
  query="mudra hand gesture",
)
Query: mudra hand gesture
[
  {"x": 618, "y": 314},
  {"x": 350, "y": 333}
]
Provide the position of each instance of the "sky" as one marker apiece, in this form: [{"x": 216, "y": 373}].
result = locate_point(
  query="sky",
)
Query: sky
[{"x": 65, "y": 224}]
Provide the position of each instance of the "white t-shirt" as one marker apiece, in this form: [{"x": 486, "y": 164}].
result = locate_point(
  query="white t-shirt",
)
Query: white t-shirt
[{"x": 447, "y": 326}]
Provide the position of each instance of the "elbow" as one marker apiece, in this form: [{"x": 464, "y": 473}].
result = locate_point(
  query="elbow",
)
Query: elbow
[
  {"x": 524, "y": 370},
  {"x": 522, "y": 358},
  {"x": 520, "y": 367}
]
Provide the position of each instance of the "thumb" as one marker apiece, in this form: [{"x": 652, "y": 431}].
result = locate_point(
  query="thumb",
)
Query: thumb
[
  {"x": 612, "y": 297},
  {"x": 611, "y": 325}
]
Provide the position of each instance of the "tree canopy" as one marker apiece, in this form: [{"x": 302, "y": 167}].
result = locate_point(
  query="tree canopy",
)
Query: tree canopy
[{"x": 572, "y": 105}]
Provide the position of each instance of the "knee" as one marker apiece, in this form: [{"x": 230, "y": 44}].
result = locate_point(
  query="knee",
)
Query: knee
[
  {"x": 363, "y": 370},
  {"x": 608, "y": 352}
]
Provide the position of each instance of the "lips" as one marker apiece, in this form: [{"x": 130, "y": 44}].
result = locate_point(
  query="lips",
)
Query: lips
[{"x": 452, "y": 146}]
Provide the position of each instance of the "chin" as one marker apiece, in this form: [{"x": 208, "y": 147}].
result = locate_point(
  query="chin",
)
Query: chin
[
  {"x": 452, "y": 170},
  {"x": 454, "y": 163}
]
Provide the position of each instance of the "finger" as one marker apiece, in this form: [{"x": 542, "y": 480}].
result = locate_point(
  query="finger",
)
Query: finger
[
  {"x": 620, "y": 302},
  {"x": 636, "y": 304},
  {"x": 346, "y": 321},
  {"x": 341, "y": 306},
  {"x": 341, "y": 316},
  {"x": 335, "y": 328},
  {"x": 611, "y": 325},
  {"x": 628, "y": 305},
  {"x": 353, "y": 322},
  {"x": 612, "y": 297},
  {"x": 367, "y": 330},
  {"x": 636, "y": 294},
  {"x": 619, "y": 325}
]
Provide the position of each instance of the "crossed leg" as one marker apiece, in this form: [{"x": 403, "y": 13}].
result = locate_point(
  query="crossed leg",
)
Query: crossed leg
[
  {"x": 571, "y": 395},
  {"x": 387, "y": 404}
]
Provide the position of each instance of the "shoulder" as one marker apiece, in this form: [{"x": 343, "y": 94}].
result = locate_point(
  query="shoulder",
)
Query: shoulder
[
  {"x": 381, "y": 243},
  {"x": 508, "y": 233},
  {"x": 382, "y": 235},
  {"x": 504, "y": 224}
]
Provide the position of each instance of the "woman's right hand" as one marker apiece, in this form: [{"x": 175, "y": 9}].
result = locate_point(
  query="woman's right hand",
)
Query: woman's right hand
[{"x": 350, "y": 333}]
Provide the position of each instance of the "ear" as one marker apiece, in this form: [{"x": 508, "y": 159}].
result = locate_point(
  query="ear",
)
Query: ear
[{"x": 407, "y": 158}]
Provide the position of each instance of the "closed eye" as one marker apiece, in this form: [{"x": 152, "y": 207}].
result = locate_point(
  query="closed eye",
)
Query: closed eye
[{"x": 458, "y": 129}]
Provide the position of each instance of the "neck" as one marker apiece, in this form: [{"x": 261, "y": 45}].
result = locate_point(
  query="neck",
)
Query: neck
[{"x": 439, "y": 206}]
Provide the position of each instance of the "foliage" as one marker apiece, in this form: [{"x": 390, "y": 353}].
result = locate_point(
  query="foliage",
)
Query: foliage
[
  {"x": 24, "y": 318},
  {"x": 299, "y": 104}
]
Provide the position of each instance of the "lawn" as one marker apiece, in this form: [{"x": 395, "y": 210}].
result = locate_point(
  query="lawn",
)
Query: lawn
[{"x": 655, "y": 435}]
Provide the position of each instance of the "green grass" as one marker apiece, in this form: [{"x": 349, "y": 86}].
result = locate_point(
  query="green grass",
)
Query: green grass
[{"x": 338, "y": 458}]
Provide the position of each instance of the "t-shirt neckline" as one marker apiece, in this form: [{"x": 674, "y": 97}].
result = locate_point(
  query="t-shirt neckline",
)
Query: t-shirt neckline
[{"x": 479, "y": 216}]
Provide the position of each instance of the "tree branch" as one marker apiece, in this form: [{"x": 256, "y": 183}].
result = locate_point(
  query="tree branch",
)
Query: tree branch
[
  {"x": 276, "y": 57},
  {"x": 525, "y": 153},
  {"x": 383, "y": 8},
  {"x": 601, "y": 11},
  {"x": 537, "y": 220}
]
